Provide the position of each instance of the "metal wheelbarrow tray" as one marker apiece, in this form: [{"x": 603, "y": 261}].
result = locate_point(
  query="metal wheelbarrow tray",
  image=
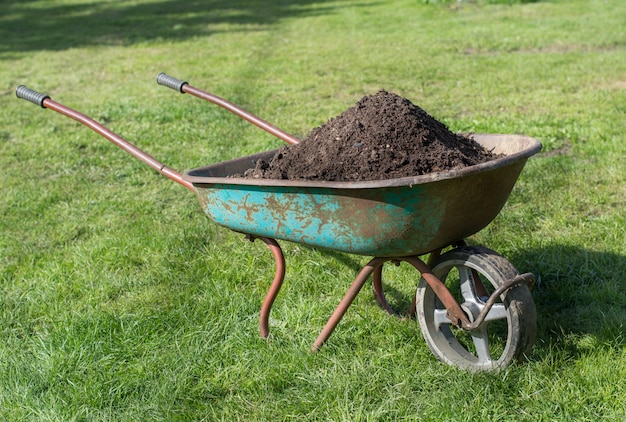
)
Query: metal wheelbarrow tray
[
  {"x": 391, "y": 218},
  {"x": 473, "y": 307}
]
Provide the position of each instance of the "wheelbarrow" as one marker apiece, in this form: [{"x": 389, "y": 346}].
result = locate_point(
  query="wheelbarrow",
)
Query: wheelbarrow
[{"x": 474, "y": 308}]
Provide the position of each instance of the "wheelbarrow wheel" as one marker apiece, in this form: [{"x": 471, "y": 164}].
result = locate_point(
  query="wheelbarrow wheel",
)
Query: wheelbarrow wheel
[{"x": 508, "y": 332}]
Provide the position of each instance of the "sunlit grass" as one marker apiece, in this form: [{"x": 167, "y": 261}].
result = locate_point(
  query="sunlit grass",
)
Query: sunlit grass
[{"x": 120, "y": 301}]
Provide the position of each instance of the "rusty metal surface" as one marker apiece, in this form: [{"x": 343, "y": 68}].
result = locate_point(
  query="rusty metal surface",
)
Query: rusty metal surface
[
  {"x": 277, "y": 283},
  {"x": 397, "y": 217},
  {"x": 244, "y": 114},
  {"x": 117, "y": 140},
  {"x": 184, "y": 87},
  {"x": 346, "y": 301}
]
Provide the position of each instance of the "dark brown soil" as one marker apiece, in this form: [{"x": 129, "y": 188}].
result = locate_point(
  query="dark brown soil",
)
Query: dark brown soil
[{"x": 384, "y": 136}]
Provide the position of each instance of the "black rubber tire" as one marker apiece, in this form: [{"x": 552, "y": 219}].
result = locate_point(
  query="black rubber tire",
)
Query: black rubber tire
[{"x": 515, "y": 313}]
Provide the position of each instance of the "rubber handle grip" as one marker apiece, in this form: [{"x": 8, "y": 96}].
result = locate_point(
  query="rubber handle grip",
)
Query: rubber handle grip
[
  {"x": 170, "y": 82},
  {"x": 31, "y": 95}
]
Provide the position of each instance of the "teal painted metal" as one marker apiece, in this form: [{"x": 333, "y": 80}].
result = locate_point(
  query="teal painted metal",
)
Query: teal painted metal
[
  {"x": 398, "y": 217},
  {"x": 369, "y": 223}
]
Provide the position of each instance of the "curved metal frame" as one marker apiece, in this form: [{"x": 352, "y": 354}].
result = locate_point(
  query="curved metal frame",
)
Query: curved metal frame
[{"x": 374, "y": 267}]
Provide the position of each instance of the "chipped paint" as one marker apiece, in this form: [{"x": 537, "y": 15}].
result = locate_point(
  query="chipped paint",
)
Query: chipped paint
[
  {"x": 401, "y": 217},
  {"x": 373, "y": 222}
]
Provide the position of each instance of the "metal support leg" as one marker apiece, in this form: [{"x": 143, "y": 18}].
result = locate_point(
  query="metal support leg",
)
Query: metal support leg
[
  {"x": 455, "y": 313},
  {"x": 275, "y": 286},
  {"x": 345, "y": 303},
  {"x": 379, "y": 294}
]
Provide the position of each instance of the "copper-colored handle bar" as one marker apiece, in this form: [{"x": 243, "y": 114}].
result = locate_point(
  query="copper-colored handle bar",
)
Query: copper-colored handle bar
[
  {"x": 184, "y": 87},
  {"x": 45, "y": 102}
]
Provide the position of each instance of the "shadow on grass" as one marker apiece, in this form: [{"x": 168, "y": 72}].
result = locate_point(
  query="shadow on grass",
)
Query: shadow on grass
[
  {"x": 580, "y": 298},
  {"x": 34, "y": 26}
]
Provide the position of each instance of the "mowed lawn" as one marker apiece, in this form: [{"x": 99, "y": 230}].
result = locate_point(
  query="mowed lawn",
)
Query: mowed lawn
[{"x": 121, "y": 301}]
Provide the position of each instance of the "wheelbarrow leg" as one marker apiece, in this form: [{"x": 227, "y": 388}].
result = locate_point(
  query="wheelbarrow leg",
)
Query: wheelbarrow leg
[
  {"x": 454, "y": 312},
  {"x": 379, "y": 294},
  {"x": 275, "y": 286},
  {"x": 345, "y": 303}
]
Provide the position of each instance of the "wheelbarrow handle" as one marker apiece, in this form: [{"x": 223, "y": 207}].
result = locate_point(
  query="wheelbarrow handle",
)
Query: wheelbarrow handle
[
  {"x": 171, "y": 82},
  {"x": 45, "y": 101},
  {"x": 31, "y": 95},
  {"x": 184, "y": 87}
]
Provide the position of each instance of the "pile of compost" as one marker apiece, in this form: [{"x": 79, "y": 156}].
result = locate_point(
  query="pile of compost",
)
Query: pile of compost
[{"x": 383, "y": 136}]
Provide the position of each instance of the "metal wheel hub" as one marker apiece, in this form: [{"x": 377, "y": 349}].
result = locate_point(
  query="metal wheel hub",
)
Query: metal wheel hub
[{"x": 471, "y": 309}]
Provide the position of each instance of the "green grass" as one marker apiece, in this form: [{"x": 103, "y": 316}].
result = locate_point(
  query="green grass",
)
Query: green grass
[{"x": 120, "y": 301}]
